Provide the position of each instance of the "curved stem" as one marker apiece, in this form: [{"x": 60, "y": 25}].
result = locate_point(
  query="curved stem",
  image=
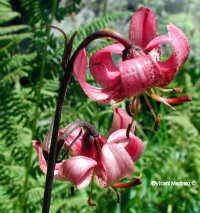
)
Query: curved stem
[
  {"x": 101, "y": 34},
  {"x": 62, "y": 91}
]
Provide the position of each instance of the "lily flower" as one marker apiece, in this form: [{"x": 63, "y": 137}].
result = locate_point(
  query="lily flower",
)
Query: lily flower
[
  {"x": 109, "y": 159},
  {"x": 141, "y": 67}
]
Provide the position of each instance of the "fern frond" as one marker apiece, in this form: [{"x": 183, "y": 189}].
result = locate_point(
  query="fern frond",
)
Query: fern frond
[
  {"x": 98, "y": 24},
  {"x": 4, "y": 3},
  {"x": 12, "y": 29},
  {"x": 6, "y": 13},
  {"x": 8, "y": 16},
  {"x": 37, "y": 11},
  {"x": 35, "y": 194},
  {"x": 14, "y": 37},
  {"x": 18, "y": 66}
]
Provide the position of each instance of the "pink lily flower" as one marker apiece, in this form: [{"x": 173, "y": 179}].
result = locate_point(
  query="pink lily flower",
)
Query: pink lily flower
[
  {"x": 140, "y": 69},
  {"x": 109, "y": 159}
]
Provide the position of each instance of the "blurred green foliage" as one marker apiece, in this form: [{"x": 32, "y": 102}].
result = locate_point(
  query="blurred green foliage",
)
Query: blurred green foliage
[{"x": 29, "y": 76}]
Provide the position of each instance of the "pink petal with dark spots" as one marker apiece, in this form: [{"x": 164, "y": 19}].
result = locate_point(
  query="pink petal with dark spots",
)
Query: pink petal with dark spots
[
  {"x": 107, "y": 95},
  {"x": 102, "y": 67},
  {"x": 180, "y": 52},
  {"x": 138, "y": 75},
  {"x": 142, "y": 27}
]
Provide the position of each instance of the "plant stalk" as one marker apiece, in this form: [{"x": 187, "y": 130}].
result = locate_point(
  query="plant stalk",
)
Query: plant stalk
[{"x": 62, "y": 91}]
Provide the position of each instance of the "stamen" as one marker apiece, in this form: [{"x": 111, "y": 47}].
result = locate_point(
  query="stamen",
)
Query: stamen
[
  {"x": 177, "y": 90},
  {"x": 128, "y": 109},
  {"x": 90, "y": 202},
  {"x": 130, "y": 127},
  {"x": 178, "y": 100},
  {"x": 162, "y": 100},
  {"x": 157, "y": 123},
  {"x": 136, "y": 106},
  {"x": 116, "y": 193},
  {"x": 132, "y": 109},
  {"x": 150, "y": 107},
  {"x": 134, "y": 182}
]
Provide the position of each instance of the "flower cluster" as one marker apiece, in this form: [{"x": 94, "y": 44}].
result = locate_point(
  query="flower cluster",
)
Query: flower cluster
[
  {"x": 109, "y": 159},
  {"x": 141, "y": 67},
  {"x": 141, "y": 70}
]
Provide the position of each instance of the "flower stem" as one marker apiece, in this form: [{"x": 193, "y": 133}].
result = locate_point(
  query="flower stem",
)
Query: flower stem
[
  {"x": 101, "y": 34},
  {"x": 62, "y": 91}
]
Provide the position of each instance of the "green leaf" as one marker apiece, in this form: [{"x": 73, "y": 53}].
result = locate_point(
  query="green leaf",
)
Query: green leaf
[{"x": 8, "y": 16}]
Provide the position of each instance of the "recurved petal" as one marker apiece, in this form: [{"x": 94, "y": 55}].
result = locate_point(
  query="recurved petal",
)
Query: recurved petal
[
  {"x": 78, "y": 170},
  {"x": 121, "y": 119},
  {"x": 102, "y": 67},
  {"x": 117, "y": 163},
  {"x": 74, "y": 150},
  {"x": 74, "y": 141},
  {"x": 142, "y": 27},
  {"x": 42, "y": 161},
  {"x": 180, "y": 52},
  {"x": 107, "y": 95},
  {"x": 133, "y": 145}
]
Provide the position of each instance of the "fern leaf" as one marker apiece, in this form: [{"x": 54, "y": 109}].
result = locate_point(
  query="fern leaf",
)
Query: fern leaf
[
  {"x": 98, "y": 24},
  {"x": 12, "y": 29},
  {"x": 8, "y": 17}
]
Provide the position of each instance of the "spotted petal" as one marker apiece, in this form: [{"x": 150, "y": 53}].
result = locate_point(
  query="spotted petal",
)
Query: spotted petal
[
  {"x": 107, "y": 95},
  {"x": 102, "y": 67},
  {"x": 139, "y": 74},
  {"x": 180, "y": 47},
  {"x": 142, "y": 27}
]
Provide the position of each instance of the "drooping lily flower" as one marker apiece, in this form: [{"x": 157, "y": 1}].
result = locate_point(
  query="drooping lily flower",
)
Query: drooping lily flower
[
  {"x": 141, "y": 68},
  {"x": 109, "y": 159}
]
